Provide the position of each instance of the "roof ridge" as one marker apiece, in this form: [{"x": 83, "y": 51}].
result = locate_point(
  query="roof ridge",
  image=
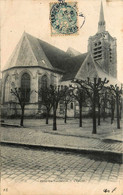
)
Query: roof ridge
[
  {"x": 80, "y": 55},
  {"x": 45, "y": 42},
  {"x": 30, "y": 46},
  {"x": 39, "y": 47},
  {"x": 17, "y": 47}
]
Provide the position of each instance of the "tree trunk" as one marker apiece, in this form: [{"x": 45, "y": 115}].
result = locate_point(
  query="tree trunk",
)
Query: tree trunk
[
  {"x": 94, "y": 120},
  {"x": 94, "y": 109},
  {"x": 22, "y": 117},
  {"x": 80, "y": 115},
  {"x": 65, "y": 117},
  {"x": 104, "y": 113},
  {"x": 98, "y": 111},
  {"x": 99, "y": 115},
  {"x": 54, "y": 118},
  {"x": 118, "y": 115},
  {"x": 112, "y": 114},
  {"x": 47, "y": 117},
  {"x": 112, "y": 110},
  {"x": 121, "y": 109}
]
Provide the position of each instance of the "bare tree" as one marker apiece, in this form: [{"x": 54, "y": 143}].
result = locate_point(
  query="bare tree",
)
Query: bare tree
[
  {"x": 80, "y": 96},
  {"x": 112, "y": 103},
  {"x": 121, "y": 102},
  {"x": 67, "y": 99},
  {"x": 104, "y": 101},
  {"x": 116, "y": 92},
  {"x": 23, "y": 99},
  {"x": 93, "y": 90},
  {"x": 44, "y": 94},
  {"x": 57, "y": 93}
]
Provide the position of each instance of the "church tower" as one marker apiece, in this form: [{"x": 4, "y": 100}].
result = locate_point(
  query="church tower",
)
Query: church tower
[
  {"x": 101, "y": 23},
  {"x": 103, "y": 46}
]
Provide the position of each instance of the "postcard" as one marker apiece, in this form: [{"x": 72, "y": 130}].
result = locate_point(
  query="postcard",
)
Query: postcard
[{"x": 61, "y": 97}]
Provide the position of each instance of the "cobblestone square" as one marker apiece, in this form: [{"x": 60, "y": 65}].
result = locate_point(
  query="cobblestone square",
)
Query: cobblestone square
[{"x": 22, "y": 164}]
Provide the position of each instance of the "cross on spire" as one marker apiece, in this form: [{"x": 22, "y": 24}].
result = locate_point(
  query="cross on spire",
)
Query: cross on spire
[{"x": 101, "y": 23}]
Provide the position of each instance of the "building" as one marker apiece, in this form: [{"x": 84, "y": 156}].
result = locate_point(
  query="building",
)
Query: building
[{"x": 35, "y": 63}]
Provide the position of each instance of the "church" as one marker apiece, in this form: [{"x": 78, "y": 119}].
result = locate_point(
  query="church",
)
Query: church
[{"x": 35, "y": 63}]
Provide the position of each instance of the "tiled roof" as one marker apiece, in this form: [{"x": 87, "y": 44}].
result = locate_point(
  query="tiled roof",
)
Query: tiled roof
[
  {"x": 73, "y": 64},
  {"x": 72, "y": 52},
  {"x": 104, "y": 75},
  {"x": 55, "y": 56},
  {"x": 31, "y": 51}
]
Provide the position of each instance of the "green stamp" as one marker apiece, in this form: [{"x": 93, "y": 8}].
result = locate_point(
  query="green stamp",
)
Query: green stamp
[{"x": 64, "y": 18}]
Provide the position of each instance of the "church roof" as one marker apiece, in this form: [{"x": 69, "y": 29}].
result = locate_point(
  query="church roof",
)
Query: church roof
[
  {"x": 31, "y": 51},
  {"x": 103, "y": 75},
  {"x": 73, "y": 66},
  {"x": 101, "y": 19},
  {"x": 72, "y": 52}
]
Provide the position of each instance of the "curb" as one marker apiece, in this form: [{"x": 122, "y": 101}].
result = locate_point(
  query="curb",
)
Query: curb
[
  {"x": 111, "y": 140},
  {"x": 9, "y": 125},
  {"x": 101, "y": 154}
]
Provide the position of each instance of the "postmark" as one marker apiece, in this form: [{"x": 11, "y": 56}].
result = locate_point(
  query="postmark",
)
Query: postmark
[{"x": 64, "y": 18}]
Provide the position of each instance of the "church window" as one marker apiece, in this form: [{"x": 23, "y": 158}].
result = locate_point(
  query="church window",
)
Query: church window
[
  {"x": 99, "y": 43},
  {"x": 88, "y": 66},
  {"x": 25, "y": 86},
  {"x": 44, "y": 81},
  {"x": 99, "y": 48},
  {"x": 110, "y": 55},
  {"x": 71, "y": 105},
  {"x": 6, "y": 90}
]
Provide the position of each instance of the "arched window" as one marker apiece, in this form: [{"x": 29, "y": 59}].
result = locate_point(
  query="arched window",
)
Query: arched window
[
  {"x": 71, "y": 105},
  {"x": 25, "y": 86},
  {"x": 44, "y": 81},
  {"x": 6, "y": 90}
]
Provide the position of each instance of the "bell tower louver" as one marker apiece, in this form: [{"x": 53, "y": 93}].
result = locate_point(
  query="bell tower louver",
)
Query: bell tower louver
[{"x": 103, "y": 47}]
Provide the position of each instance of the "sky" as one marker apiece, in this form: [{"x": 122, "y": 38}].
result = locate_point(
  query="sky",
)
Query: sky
[{"x": 32, "y": 16}]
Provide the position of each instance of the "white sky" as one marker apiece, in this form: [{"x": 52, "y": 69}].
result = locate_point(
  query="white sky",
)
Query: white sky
[{"x": 33, "y": 17}]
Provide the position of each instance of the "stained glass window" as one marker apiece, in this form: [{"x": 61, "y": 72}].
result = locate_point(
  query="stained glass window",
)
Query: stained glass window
[
  {"x": 25, "y": 86},
  {"x": 7, "y": 90},
  {"x": 44, "y": 81}
]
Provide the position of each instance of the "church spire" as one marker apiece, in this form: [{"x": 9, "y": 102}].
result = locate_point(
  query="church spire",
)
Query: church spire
[{"x": 101, "y": 23}]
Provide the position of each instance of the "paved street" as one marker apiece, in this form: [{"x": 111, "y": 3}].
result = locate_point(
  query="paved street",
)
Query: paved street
[
  {"x": 31, "y": 165},
  {"x": 52, "y": 139}
]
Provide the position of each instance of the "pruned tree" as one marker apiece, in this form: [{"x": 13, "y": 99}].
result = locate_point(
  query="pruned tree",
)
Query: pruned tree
[
  {"x": 104, "y": 101},
  {"x": 67, "y": 98},
  {"x": 116, "y": 92},
  {"x": 56, "y": 93},
  {"x": 121, "y": 107},
  {"x": 23, "y": 97},
  {"x": 93, "y": 90},
  {"x": 44, "y": 94},
  {"x": 80, "y": 96},
  {"x": 99, "y": 106},
  {"x": 112, "y": 103},
  {"x": 108, "y": 99}
]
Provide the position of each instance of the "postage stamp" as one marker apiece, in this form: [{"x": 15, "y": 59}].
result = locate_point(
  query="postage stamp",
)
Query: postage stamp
[{"x": 64, "y": 18}]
